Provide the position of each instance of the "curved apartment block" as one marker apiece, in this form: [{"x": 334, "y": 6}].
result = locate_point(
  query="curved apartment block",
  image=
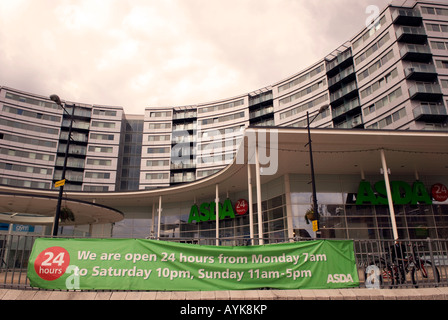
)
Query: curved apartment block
[{"x": 393, "y": 75}]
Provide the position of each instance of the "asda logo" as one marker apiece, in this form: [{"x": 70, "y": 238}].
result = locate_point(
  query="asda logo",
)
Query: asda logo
[
  {"x": 206, "y": 211},
  {"x": 339, "y": 278},
  {"x": 402, "y": 193}
]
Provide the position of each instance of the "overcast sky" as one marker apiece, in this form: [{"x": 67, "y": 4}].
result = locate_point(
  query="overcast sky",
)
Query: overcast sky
[{"x": 156, "y": 53}]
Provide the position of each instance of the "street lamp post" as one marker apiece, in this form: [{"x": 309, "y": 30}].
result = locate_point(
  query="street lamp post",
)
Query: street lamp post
[
  {"x": 313, "y": 182},
  {"x": 56, "y": 99}
]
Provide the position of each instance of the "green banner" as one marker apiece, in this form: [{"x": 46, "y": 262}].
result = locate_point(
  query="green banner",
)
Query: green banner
[{"x": 137, "y": 264}]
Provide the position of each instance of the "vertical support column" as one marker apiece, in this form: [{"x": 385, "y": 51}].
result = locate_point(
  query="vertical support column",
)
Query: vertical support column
[
  {"x": 153, "y": 220},
  {"x": 389, "y": 195},
  {"x": 160, "y": 217},
  {"x": 251, "y": 207},
  {"x": 289, "y": 220},
  {"x": 260, "y": 214},
  {"x": 217, "y": 214}
]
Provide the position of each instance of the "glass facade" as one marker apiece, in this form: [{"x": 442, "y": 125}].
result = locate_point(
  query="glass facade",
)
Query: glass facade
[{"x": 342, "y": 218}]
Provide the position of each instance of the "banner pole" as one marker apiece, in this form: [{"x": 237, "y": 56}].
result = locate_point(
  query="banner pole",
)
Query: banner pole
[
  {"x": 217, "y": 214},
  {"x": 251, "y": 209},
  {"x": 160, "y": 217},
  {"x": 260, "y": 217}
]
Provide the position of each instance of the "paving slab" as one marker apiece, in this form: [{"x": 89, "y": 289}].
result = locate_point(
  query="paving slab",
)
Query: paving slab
[
  {"x": 103, "y": 295},
  {"x": 178, "y": 295},
  {"x": 222, "y": 295},
  {"x": 208, "y": 295},
  {"x": 118, "y": 295},
  {"x": 149, "y": 295},
  {"x": 163, "y": 295},
  {"x": 347, "y": 294},
  {"x": 193, "y": 295},
  {"x": 266, "y": 295},
  {"x": 26, "y": 295},
  {"x": 133, "y": 295}
]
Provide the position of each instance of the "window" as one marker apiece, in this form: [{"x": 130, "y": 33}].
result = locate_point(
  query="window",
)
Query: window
[
  {"x": 158, "y": 150},
  {"x": 101, "y": 124},
  {"x": 159, "y": 138},
  {"x": 99, "y": 162},
  {"x": 101, "y": 149},
  {"x": 372, "y": 49},
  {"x": 98, "y": 175},
  {"x": 156, "y": 176},
  {"x": 230, "y": 117},
  {"x": 157, "y": 163},
  {"x": 435, "y": 11},
  {"x": 108, "y": 113},
  {"x": 369, "y": 33},
  {"x": 380, "y": 83},
  {"x": 442, "y": 64},
  {"x": 160, "y": 125},
  {"x": 301, "y": 79},
  {"x": 98, "y": 136},
  {"x": 444, "y": 83},
  {"x": 433, "y": 27},
  {"x": 303, "y": 92},
  {"x": 159, "y": 114},
  {"x": 222, "y": 106},
  {"x": 438, "y": 45}
]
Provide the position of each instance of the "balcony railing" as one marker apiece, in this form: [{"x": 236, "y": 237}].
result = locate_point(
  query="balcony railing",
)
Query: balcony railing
[
  {"x": 408, "y": 17},
  {"x": 343, "y": 74},
  {"x": 415, "y": 52},
  {"x": 343, "y": 91},
  {"x": 350, "y": 123},
  {"x": 411, "y": 34},
  {"x": 425, "y": 91},
  {"x": 345, "y": 107},
  {"x": 430, "y": 112},
  {"x": 420, "y": 71}
]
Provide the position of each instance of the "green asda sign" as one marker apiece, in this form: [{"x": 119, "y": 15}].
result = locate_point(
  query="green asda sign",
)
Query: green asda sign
[
  {"x": 140, "y": 264},
  {"x": 402, "y": 193},
  {"x": 206, "y": 211}
]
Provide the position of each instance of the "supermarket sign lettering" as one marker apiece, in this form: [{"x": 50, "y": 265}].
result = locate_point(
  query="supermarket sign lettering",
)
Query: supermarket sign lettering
[
  {"x": 207, "y": 211},
  {"x": 402, "y": 193}
]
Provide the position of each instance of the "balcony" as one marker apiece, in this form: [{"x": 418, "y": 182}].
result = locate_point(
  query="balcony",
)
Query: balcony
[
  {"x": 344, "y": 108},
  {"x": 350, "y": 123},
  {"x": 415, "y": 52},
  {"x": 420, "y": 72},
  {"x": 348, "y": 91},
  {"x": 415, "y": 35},
  {"x": 425, "y": 92},
  {"x": 430, "y": 113},
  {"x": 343, "y": 75},
  {"x": 342, "y": 61},
  {"x": 407, "y": 17}
]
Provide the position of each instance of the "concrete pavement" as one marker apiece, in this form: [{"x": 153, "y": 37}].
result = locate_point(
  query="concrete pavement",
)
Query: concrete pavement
[{"x": 333, "y": 294}]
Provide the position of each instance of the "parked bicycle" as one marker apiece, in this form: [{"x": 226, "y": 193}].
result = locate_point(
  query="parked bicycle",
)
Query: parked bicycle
[{"x": 396, "y": 264}]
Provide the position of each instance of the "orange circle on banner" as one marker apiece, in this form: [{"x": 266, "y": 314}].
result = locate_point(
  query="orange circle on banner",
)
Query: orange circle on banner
[{"x": 52, "y": 263}]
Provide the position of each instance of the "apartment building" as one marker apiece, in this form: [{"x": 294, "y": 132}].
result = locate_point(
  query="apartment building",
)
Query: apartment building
[{"x": 393, "y": 74}]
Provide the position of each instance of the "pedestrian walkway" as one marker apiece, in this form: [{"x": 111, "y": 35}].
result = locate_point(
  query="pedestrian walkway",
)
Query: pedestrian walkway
[{"x": 324, "y": 294}]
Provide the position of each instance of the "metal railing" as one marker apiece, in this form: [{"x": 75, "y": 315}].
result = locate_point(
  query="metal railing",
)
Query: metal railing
[{"x": 380, "y": 263}]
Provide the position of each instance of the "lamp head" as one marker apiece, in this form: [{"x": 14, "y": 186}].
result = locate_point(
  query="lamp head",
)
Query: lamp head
[
  {"x": 323, "y": 108},
  {"x": 55, "y": 98}
]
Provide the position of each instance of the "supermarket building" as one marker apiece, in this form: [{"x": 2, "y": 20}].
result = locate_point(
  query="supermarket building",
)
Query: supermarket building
[{"x": 378, "y": 111}]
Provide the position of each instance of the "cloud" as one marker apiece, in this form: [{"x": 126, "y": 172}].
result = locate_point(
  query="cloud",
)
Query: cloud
[{"x": 141, "y": 53}]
